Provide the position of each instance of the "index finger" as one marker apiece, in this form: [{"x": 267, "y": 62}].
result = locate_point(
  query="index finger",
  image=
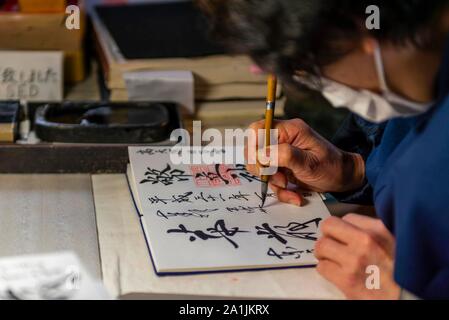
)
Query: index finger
[
  {"x": 260, "y": 125},
  {"x": 255, "y": 142},
  {"x": 376, "y": 228},
  {"x": 289, "y": 131}
]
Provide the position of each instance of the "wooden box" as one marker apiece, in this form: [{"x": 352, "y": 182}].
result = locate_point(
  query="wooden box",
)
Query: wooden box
[
  {"x": 45, "y": 31},
  {"x": 42, "y": 6}
]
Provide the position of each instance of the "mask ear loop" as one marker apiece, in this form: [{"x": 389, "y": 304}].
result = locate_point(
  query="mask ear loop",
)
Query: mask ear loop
[
  {"x": 380, "y": 68},
  {"x": 384, "y": 87}
]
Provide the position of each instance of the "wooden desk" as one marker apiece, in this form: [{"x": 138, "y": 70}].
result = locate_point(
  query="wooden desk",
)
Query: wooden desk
[{"x": 47, "y": 213}]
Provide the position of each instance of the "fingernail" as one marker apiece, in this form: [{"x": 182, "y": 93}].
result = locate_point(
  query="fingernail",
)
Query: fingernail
[
  {"x": 282, "y": 186},
  {"x": 278, "y": 184},
  {"x": 294, "y": 202},
  {"x": 262, "y": 157}
]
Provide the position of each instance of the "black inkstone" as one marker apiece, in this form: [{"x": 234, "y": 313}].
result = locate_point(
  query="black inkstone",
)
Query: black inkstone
[{"x": 124, "y": 123}]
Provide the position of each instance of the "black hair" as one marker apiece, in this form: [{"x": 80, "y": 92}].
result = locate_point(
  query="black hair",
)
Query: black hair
[{"x": 285, "y": 36}]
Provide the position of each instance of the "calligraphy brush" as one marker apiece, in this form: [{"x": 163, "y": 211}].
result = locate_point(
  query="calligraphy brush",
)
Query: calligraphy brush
[{"x": 269, "y": 115}]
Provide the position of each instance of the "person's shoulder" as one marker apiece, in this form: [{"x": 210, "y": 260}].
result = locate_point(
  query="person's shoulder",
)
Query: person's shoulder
[{"x": 422, "y": 170}]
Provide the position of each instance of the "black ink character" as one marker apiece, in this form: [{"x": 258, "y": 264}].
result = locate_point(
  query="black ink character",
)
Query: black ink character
[
  {"x": 219, "y": 231},
  {"x": 248, "y": 210},
  {"x": 166, "y": 177},
  {"x": 208, "y": 197},
  {"x": 151, "y": 152},
  {"x": 182, "y": 197},
  {"x": 230, "y": 174},
  {"x": 8, "y": 75},
  {"x": 240, "y": 172},
  {"x": 269, "y": 195},
  {"x": 289, "y": 252},
  {"x": 157, "y": 200},
  {"x": 240, "y": 196},
  {"x": 194, "y": 213},
  {"x": 292, "y": 230},
  {"x": 213, "y": 176},
  {"x": 179, "y": 198}
]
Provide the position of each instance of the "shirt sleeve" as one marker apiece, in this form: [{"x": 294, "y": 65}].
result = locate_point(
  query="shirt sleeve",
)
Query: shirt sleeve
[
  {"x": 358, "y": 136},
  {"x": 407, "y": 295},
  {"x": 421, "y": 225}
]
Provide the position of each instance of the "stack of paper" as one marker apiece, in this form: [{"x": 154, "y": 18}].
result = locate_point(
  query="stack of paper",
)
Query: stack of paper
[{"x": 170, "y": 37}]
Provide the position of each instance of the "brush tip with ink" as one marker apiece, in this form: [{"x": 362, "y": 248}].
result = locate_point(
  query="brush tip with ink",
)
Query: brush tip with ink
[{"x": 264, "y": 192}]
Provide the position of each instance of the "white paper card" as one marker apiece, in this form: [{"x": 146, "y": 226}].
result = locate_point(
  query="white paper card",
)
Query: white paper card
[
  {"x": 55, "y": 276},
  {"x": 31, "y": 76},
  {"x": 161, "y": 86},
  {"x": 209, "y": 217}
]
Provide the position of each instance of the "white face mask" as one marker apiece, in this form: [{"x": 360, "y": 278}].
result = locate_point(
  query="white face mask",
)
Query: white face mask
[{"x": 370, "y": 106}]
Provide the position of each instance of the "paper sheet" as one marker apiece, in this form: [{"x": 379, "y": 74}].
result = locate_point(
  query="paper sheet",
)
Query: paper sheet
[
  {"x": 209, "y": 217},
  {"x": 161, "y": 86},
  {"x": 56, "y": 276}
]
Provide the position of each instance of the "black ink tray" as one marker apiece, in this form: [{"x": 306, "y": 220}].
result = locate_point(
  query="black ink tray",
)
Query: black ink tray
[
  {"x": 113, "y": 123},
  {"x": 72, "y": 148}
]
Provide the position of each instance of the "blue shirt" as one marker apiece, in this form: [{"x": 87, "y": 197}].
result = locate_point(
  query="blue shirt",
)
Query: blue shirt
[{"x": 408, "y": 172}]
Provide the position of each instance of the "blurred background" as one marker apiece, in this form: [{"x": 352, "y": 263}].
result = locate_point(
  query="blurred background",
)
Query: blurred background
[{"x": 125, "y": 50}]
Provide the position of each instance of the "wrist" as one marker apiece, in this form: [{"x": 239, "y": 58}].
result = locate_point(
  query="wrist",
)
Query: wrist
[{"x": 353, "y": 171}]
